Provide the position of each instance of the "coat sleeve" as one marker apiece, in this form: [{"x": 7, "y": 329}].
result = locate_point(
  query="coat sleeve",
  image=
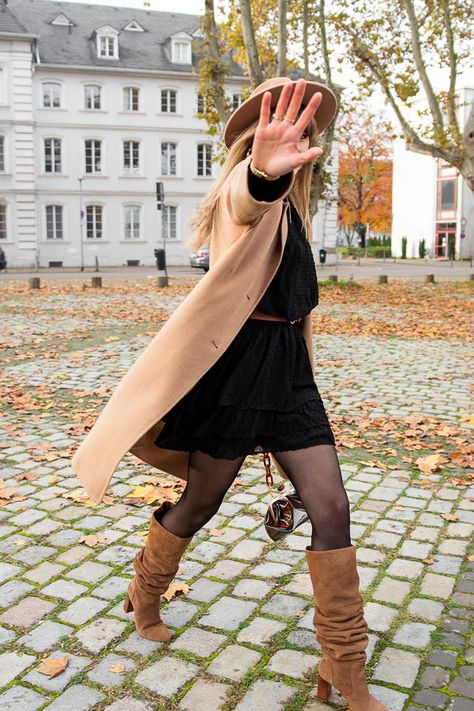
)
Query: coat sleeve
[{"x": 247, "y": 199}]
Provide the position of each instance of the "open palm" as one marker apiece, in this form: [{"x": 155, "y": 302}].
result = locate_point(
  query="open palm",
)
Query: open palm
[{"x": 276, "y": 148}]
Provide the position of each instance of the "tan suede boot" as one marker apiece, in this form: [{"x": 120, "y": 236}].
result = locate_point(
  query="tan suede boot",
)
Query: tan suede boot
[
  {"x": 340, "y": 627},
  {"x": 156, "y": 564}
]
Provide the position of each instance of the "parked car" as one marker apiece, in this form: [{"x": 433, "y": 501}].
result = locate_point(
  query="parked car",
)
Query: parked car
[{"x": 200, "y": 259}]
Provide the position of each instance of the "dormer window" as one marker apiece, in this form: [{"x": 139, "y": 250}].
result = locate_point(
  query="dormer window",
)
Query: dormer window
[
  {"x": 62, "y": 20},
  {"x": 134, "y": 26},
  {"x": 181, "y": 48},
  {"x": 107, "y": 43}
]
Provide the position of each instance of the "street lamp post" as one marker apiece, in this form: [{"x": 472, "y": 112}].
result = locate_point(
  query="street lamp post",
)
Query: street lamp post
[{"x": 81, "y": 214}]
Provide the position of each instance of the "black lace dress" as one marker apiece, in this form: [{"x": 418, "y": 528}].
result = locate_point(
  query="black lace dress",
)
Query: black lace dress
[{"x": 260, "y": 395}]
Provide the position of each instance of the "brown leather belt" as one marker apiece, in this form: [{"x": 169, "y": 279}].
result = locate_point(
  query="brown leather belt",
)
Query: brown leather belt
[{"x": 258, "y": 313}]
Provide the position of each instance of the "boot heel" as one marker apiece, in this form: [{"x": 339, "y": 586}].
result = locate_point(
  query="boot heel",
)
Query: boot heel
[
  {"x": 324, "y": 689},
  {"x": 127, "y": 605}
]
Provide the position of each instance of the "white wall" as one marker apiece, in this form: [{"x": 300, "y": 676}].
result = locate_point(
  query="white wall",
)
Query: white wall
[
  {"x": 413, "y": 199},
  {"x": 17, "y": 182}
]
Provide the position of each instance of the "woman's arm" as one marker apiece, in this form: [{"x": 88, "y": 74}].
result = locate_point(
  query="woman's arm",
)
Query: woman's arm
[{"x": 247, "y": 198}]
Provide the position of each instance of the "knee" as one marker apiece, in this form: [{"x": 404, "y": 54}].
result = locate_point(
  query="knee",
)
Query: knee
[{"x": 333, "y": 507}]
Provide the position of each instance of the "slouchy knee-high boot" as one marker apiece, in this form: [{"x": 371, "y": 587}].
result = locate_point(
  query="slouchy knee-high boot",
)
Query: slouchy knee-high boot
[
  {"x": 156, "y": 564},
  {"x": 340, "y": 627}
]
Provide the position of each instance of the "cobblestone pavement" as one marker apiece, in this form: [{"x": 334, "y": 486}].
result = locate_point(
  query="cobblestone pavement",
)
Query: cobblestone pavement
[{"x": 242, "y": 633}]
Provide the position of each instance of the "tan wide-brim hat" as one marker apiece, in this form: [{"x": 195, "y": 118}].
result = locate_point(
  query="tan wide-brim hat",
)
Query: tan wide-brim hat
[{"x": 249, "y": 110}]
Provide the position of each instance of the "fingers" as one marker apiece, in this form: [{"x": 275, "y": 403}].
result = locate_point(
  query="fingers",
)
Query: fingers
[
  {"x": 295, "y": 103},
  {"x": 309, "y": 110},
  {"x": 283, "y": 99},
  {"x": 309, "y": 155},
  {"x": 265, "y": 110}
]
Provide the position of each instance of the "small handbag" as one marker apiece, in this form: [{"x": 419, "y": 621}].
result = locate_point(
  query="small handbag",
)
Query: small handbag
[{"x": 285, "y": 512}]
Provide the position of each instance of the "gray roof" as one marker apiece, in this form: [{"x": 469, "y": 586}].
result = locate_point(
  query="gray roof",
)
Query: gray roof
[
  {"x": 9, "y": 23},
  {"x": 76, "y": 46}
]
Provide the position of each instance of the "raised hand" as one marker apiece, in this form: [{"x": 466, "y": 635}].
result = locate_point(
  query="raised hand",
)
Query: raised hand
[{"x": 276, "y": 146}]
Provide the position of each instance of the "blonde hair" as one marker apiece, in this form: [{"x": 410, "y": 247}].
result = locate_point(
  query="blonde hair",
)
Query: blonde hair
[{"x": 299, "y": 194}]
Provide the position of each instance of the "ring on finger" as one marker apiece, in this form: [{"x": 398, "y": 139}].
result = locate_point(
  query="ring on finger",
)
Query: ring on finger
[
  {"x": 279, "y": 118},
  {"x": 285, "y": 118}
]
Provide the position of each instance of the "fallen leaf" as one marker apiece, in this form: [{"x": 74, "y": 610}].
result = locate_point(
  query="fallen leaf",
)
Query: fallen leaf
[
  {"x": 52, "y": 667},
  {"x": 93, "y": 539},
  {"x": 216, "y": 532},
  {"x": 117, "y": 668},
  {"x": 29, "y": 476},
  {"x": 174, "y": 589}
]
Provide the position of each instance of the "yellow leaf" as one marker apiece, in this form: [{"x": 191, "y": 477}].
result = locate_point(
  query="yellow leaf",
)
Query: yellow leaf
[
  {"x": 117, "y": 668},
  {"x": 52, "y": 667}
]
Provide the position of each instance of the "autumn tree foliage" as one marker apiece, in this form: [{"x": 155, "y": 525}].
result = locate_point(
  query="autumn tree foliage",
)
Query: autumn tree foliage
[
  {"x": 365, "y": 175},
  {"x": 267, "y": 38},
  {"x": 415, "y": 52}
]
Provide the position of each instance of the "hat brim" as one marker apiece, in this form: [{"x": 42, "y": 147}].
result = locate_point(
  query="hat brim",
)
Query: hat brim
[{"x": 249, "y": 110}]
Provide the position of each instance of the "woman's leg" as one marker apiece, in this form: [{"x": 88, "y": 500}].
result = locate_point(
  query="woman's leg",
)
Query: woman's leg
[
  {"x": 316, "y": 476},
  {"x": 208, "y": 481}
]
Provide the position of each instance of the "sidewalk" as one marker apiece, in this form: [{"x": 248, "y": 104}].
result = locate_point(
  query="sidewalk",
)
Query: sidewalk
[
  {"x": 242, "y": 625},
  {"x": 345, "y": 269}
]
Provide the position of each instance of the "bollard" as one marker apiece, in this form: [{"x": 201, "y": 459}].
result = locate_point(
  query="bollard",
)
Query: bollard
[
  {"x": 35, "y": 283},
  {"x": 332, "y": 277},
  {"x": 429, "y": 278},
  {"x": 96, "y": 282},
  {"x": 162, "y": 281},
  {"x": 383, "y": 279}
]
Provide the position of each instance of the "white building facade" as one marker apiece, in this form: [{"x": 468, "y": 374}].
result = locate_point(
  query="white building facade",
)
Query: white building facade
[
  {"x": 432, "y": 201},
  {"x": 97, "y": 104}
]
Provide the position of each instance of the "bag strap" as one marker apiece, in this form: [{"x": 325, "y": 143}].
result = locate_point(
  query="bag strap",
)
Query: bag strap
[{"x": 268, "y": 471}]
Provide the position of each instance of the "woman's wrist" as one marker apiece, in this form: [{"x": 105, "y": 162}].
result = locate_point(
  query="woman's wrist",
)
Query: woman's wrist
[{"x": 262, "y": 173}]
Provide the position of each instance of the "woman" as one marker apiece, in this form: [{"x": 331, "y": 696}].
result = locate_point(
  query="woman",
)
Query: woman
[{"x": 260, "y": 395}]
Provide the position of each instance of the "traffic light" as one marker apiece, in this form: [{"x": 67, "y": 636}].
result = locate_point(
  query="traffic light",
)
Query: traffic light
[{"x": 160, "y": 195}]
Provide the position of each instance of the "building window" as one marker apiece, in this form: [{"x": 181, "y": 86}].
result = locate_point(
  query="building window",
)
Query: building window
[
  {"x": 204, "y": 155},
  {"x": 201, "y": 104},
  {"x": 134, "y": 26},
  {"x": 169, "y": 222},
  {"x": 54, "y": 222},
  {"x": 94, "y": 222},
  {"x": 168, "y": 101},
  {"x": 52, "y": 155},
  {"x": 92, "y": 97},
  {"x": 131, "y": 98},
  {"x": 107, "y": 46},
  {"x": 51, "y": 95},
  {"x": 61, "y": 19},
  {"x": 93, "y": 155},
  {"x": 447, "y": 194},
  {"x": 181, "y": 52},
  {"x": 132, "y": 214},
  {"x": 236, "y": 100},
  {"x": 2, "y": 154},
  {"x": 3, "y": 221},
  {"x": 168, "y": 158},
  {"x": 131, "y": 157}
]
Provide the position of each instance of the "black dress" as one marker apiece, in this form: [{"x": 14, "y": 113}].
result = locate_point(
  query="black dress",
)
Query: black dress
[{"x": 260, "y": 395}]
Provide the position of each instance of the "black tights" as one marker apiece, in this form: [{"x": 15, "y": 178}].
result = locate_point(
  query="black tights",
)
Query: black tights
[{"x": 313, "y": 471}]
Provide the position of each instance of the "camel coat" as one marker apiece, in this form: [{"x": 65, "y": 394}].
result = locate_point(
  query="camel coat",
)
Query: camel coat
[{"x": 246, "y": 247}]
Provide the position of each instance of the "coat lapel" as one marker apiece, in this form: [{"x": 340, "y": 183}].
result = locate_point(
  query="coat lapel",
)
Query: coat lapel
[{"x": 243, "y": 260}]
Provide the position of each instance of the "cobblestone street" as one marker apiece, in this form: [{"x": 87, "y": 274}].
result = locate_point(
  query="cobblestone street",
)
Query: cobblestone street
[{"x": 242, "y": 626}]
